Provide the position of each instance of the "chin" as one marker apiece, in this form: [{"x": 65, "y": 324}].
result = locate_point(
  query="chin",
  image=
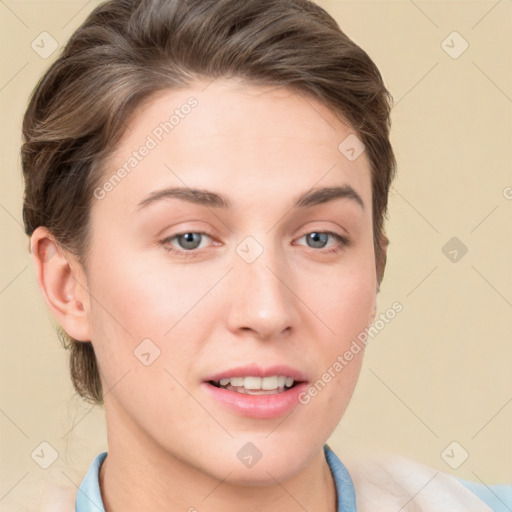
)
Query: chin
[{"x": 261, "y": 462}]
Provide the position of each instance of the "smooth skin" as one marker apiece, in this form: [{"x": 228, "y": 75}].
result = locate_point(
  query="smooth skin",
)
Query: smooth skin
[{"x": 171, "y": 446}]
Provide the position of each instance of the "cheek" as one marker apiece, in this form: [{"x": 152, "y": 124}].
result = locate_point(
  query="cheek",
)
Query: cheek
[
  {"x": 135, "y": 301},
  {"x": 345, "y": 306},
  {"x": 145, "y": 301},
  {"x": 347, "y": 312},
  {"x": 354, "y": 301},
  {"x": 346, "y": 302}
]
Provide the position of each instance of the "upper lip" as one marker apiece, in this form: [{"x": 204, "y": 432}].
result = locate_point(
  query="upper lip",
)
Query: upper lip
[{"x": 254, "y": 370}]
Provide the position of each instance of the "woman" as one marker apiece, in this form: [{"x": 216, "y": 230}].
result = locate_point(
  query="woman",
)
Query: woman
[{"x": 206, "y": 189}]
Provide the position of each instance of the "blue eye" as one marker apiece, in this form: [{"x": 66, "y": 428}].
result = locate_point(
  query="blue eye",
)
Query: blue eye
[
  {"x": 319, "y": 239},
  {"x": 188, "y": 242}
]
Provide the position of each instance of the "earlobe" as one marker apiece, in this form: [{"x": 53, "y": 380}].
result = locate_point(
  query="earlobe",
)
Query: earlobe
[
  {"x": 374, "y": 310},
  {"x": 62, "y": 283}
]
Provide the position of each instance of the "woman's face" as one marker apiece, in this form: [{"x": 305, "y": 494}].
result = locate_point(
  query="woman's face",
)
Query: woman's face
[{"x": 186, "y": 289}]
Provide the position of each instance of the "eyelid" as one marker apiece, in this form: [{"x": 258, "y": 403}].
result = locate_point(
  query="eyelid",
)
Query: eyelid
[{"x": 338, "y": 236}]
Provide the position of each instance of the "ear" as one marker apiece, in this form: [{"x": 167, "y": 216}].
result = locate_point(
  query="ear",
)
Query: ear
[
  {"x": 380, "y": 265},
  {"x": 381, "y": 261},
  {"x": 62, "y": 283}
]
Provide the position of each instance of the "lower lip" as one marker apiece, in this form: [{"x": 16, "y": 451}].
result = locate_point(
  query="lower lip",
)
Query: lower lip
[{"x": 258, "y": 406}]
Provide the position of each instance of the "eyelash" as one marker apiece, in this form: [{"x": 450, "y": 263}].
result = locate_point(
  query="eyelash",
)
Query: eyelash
[{"x": 343, "y": 242}]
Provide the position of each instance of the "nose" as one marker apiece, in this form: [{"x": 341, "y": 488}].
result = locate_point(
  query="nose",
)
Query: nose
[{"x": 263, "y": 301}]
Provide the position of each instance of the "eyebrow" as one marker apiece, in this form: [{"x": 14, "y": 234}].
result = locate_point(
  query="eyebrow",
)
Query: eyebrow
[{"x": 204, "y": 197}]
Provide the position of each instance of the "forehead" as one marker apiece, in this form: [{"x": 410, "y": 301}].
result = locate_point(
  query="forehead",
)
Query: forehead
[{"x": 240, "y": 138}]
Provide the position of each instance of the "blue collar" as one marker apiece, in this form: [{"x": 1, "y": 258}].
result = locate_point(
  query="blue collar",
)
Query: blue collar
[
  {"x": 345, "y": 496},
  {"x": 89, "y": 499}
]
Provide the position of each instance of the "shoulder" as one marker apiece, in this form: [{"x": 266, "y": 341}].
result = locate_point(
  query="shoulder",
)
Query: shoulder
[
  {"x": 389, "y": 482},
  {"x": 41, "y": 494},
  {"x": 58, "y": 499}
]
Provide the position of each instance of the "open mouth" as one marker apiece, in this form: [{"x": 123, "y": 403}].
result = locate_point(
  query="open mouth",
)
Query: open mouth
[{"x": 262, "y": 397}]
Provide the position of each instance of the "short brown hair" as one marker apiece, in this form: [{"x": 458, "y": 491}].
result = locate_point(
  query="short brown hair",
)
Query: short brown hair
[{"x": 127, "y": 50}]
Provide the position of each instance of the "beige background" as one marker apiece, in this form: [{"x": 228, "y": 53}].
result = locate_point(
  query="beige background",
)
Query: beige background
[{"x": 441, "y": 370}]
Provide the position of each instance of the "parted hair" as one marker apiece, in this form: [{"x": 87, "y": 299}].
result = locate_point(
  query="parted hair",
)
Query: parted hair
[{"x": 128, "y": 50}]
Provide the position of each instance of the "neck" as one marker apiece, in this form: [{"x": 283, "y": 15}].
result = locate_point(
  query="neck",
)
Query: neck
[{"x": 139, "y": 475}]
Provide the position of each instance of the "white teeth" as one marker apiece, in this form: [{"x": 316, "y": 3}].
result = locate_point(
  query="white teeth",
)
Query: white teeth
[
  {"x": 270, "y": 382},
  {"x": 252, "y": 383},
  {"x": 258, "y": 383}
]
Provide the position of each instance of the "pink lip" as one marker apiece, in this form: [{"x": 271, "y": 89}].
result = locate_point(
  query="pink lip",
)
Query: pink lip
[
  {"x": 258, "y": 406},
  {"x": 254, "y": 370}
]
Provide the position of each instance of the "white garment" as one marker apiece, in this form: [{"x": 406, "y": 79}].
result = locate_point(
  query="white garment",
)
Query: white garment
[{"x": 392, "y": 483}]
